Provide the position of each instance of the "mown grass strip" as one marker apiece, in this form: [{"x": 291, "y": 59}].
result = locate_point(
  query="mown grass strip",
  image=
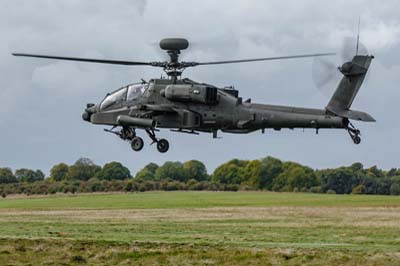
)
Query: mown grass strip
[{"x": 161, "y": 200}]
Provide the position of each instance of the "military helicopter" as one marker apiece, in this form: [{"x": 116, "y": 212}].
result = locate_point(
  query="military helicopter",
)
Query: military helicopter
[{"x": 186, "y": 106}]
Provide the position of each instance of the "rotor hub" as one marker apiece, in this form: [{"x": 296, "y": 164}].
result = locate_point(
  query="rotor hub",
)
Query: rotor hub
[{"x": 173, "y": 46}]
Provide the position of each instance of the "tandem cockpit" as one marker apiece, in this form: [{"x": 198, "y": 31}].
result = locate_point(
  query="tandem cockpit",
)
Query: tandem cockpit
[{"x": 123, "y": 96}]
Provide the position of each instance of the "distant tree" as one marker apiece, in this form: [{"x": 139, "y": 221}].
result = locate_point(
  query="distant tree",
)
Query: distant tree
[
  {"x": 7, "y": 176},
  {"x": 226, "y": 174},
  {"x": 148, "y": 172},
  {"x": 25, "y": 175},
  {"x": 342, "y": 180},
  {"x": 395, "y": 189},
  {"x": 375, "y": 172},
  {"x": 112, "y": 171},
  {"x": 252, "y": 174},
  {"x": 196, "y": 170},
  {"x": 172, "y": 170},
  {"x": 315, "y": 189},
  {"x": 152, "y": 167},
  {"x": 395, "y": 185},
  {"x": 40, "y": 175},
  {"x": 370, "y": 184},
  {"x": 28, "y": 175},
  {"x": 232, "y": 172},
  {"x": 383, "y": 186},
  {"x": 355, "y": 167},
  {"x": 193, "y": 184},
  {"x": 95, "y": 184},
  {"x": 360, "y": 189},
  {"x": 59, "y": 172},
  {"x": 393, "y": 172},
  {"x": 145, "y": 174},
  {"x": 270, "y": 169},
  {"x": 295, "y": 176},
  {"x": 83, "y": 169},
  {"x": 268, "y": 173}
]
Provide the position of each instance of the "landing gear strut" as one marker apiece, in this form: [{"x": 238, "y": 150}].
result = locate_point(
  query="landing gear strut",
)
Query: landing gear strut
[
  {"x": 354, "y": 133},
  {"x": 137, "y": 143},
  {"x": 162, "y": 144},
  {"x": 126, "y": 133}
]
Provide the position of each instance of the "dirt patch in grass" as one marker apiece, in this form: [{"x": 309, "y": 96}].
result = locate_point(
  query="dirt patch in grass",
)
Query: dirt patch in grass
[{"x": 287, "y": 216}]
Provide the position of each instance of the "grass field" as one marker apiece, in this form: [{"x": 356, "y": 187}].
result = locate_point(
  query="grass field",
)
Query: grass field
[{"x": 200, "y": 228}]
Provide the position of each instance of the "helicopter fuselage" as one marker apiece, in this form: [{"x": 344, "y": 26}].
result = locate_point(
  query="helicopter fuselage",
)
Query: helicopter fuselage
[{"x": 182, "y": 105}]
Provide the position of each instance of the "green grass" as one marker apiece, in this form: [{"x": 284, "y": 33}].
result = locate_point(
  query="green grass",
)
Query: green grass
[
  {"x": 197, "y": 228},
  {"x": 161, "y": 200}
]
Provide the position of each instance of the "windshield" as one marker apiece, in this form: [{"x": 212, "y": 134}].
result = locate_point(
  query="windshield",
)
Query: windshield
[
  {"x": 135, "y": 91},
  {"x": 114, "y": 99}
]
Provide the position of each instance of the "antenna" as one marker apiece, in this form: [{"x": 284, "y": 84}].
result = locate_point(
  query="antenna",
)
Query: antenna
[{"x": 358, "y": 34}]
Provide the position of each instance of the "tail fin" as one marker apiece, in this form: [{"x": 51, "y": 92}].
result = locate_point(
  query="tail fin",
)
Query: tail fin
[{"x": 353, "y": 76}]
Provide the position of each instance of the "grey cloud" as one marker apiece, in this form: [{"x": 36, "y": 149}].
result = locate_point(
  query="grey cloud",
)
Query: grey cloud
[{"x": 41, "y": 101}]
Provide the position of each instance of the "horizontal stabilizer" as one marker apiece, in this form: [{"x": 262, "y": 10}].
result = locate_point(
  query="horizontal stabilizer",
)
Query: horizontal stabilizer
[{"x": 354, "y": 115}]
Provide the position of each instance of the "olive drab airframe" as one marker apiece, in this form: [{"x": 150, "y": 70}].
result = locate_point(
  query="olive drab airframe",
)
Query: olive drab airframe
[{"x": 186, "y": 106}]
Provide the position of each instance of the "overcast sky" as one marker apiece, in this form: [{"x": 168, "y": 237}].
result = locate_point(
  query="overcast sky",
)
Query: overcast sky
[{"x": 41, "y": 101}]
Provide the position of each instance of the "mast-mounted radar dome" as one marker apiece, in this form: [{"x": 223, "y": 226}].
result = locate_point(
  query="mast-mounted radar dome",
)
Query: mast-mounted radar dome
[{"x": 174, "y": 44}]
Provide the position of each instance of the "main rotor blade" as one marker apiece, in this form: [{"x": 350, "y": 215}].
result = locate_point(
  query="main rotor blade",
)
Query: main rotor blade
[
  {"x": 89, "y": 60},
  {"x": 261, "y": 59}
]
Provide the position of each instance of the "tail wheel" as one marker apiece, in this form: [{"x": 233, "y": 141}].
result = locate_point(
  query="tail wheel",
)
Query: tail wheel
[
  {"x": 162, "y": 145},
  {"x": 357, "y": 139},
  {"x": 137, "y": 144},
  {"x": 354, "y": 133}
]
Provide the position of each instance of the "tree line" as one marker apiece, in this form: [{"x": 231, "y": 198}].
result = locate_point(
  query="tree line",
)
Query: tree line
[{"x": 267, "y": 173}]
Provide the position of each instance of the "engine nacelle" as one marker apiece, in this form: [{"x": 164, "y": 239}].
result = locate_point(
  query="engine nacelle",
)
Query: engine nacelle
[{"x": 191, "y": 93}]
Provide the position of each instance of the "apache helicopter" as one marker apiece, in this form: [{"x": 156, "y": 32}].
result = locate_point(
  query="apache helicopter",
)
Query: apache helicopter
[{"x": 186, "y": 106}]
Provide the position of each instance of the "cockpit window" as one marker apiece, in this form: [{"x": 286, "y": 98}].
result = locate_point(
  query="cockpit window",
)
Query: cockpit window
[
  {"x": 135, "y": 91},
  {"x": 114, "y": 99}
]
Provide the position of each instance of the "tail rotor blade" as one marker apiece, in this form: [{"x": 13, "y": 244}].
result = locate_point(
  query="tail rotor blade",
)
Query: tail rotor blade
[
  {"x": 325, "y": 75},
  {"x": 349, "y": 49},
  {"x": 325, "y": 72}
]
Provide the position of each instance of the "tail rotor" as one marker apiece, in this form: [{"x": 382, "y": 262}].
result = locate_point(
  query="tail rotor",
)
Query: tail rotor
[{"x": 325, "y": 73}]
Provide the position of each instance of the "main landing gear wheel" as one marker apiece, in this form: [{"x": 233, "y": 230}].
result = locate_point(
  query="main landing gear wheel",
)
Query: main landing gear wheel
[
  {"x": 137, "y": 144},
  {"x": 162, "y": 145}
]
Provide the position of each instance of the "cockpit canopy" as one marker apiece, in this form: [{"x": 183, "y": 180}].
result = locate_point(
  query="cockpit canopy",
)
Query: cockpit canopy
[{"x": 123, "y": 95}]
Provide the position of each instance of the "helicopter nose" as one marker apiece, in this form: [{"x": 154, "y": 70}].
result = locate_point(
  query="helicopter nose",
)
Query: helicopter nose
[{"x": 90, "y": 109}]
